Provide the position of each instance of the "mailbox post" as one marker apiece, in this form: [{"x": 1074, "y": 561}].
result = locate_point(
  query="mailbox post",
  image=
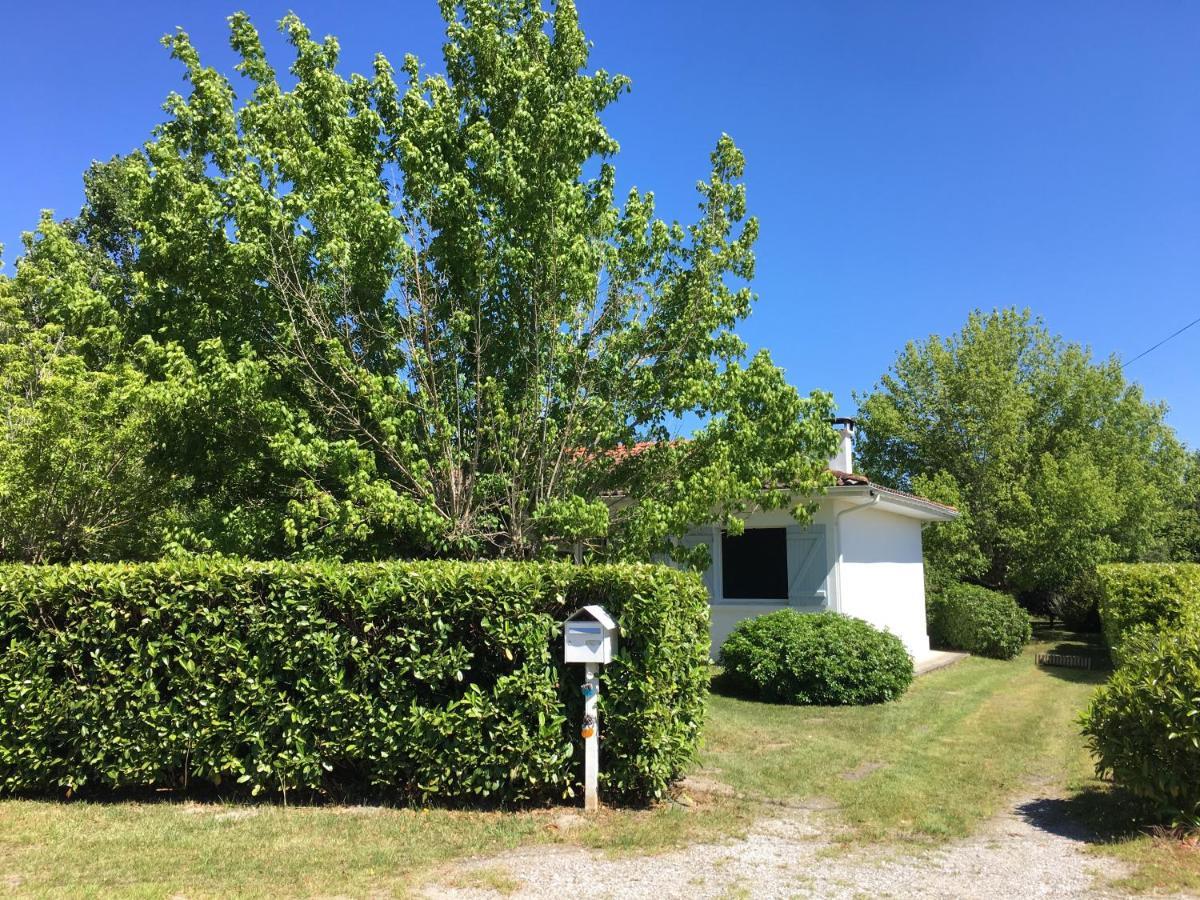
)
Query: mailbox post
[{"x": 590, "y": 637}]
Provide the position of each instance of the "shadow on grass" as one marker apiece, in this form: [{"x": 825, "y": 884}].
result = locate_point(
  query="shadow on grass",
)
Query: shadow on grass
[
  {"x": 1095, "y": 815},
  {"x": 204, "y": 794},
  {"x": 1072, "y": 643},
  {"x": 1047, "y": 633},
  {"x": 722, "y": 684},
  {"x": 1095, "y": 676}
]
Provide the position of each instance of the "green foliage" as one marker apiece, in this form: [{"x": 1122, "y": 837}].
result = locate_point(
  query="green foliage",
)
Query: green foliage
[
  {"x": 950, "y": 550},
  {"x": 1058, "y": 463},
  {"x": 1148, "y": 596},
  {"x": 73, "y": 443},
  {"x": 572, "y": 520},
  {"x": 980, "y": 621},
  {"x": 1143, "y": 726},
  {"x": 1183, "y": 531},
  {"x": 822, "y": 659},
  {"x": 406, "y": 313},
  {"x": 434, "y": 681},
  {"x": 1077, "y": 607}
]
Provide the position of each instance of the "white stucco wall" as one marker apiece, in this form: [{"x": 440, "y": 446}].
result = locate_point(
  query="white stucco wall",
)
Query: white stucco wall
[{"x": 881, "y": 577}]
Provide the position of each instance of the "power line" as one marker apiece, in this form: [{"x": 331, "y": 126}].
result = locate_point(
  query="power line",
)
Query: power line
[{"x": 1173, "y": 334}]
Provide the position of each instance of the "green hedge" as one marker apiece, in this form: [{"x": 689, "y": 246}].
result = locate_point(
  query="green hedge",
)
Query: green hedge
[
  {"x": 980, "y": 621},
  {"x": 424, "y": 681},
  {"x": 823, "y": 659},
  {"x": 1143, "y": 726},
  {"x": 1140, "y": 596}
]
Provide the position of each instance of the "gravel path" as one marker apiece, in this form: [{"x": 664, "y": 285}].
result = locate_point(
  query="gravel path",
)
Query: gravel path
[{"x": 1031, "y": 851}]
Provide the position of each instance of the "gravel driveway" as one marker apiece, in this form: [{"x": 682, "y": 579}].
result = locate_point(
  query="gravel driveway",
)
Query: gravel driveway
[{"x": 1030, "y": 851}]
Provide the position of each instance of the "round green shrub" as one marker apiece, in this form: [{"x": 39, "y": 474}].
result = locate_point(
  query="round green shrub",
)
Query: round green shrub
[
  {"x": 980, "y": 621},
  {"x": 821, "y": 659},
  {"x": 1143, "y": 726}
]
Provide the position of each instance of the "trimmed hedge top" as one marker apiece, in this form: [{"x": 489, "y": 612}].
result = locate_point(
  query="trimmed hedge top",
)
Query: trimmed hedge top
[
  {"x": 419, "y": 680},
  {"x": 1145, "y": 595}
]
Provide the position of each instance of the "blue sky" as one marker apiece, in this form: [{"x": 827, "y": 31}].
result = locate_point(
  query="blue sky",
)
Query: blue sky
[{"x": 908, "y": 161}]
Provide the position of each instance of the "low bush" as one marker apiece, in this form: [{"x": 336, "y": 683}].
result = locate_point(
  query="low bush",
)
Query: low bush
[
  {"x": 1143, "y": 726},
  {"x": 980, "y": 621},
  {"x": 1145, "y": 596},
  {"x": 815, "y": 658},
  {"x": 430, "y": 681}
]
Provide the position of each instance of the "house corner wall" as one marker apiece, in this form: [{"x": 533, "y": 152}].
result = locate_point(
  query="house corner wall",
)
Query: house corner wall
[{"x": 882, "y": 577}]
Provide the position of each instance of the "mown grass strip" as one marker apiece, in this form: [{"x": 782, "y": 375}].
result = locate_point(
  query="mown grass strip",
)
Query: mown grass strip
[{"x": 932, "y": 765}]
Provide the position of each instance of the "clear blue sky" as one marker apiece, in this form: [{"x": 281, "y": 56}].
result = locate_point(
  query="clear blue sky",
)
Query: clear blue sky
[{"x": 908, "y": 161}]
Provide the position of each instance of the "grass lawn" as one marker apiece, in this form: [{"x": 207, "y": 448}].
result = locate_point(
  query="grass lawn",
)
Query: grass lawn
[
  {"x": 930, "y": 767},
  {"x": 962, "y": 744}
]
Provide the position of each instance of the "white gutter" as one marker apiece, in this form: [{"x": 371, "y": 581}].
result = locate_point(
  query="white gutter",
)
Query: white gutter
[
  {"x": 837, "y": 533},
  {"x": 900, "y": 503}
]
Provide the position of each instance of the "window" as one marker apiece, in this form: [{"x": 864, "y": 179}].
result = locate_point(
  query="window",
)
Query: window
[{"x": 754, "y": 565}]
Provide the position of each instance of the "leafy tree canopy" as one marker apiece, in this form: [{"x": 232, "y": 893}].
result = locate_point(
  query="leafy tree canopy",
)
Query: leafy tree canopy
[
  {"x": 1183, "y": 530},
  {"x": 406, "y": 314},
  {"x": 1055, "y": 460},
  {"x": 72, "y": 480}
]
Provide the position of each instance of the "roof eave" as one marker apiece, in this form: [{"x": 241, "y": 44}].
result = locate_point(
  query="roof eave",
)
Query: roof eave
[{"x": 897, "y": 502}]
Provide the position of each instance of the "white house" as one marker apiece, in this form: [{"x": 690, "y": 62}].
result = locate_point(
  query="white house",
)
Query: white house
[{"x": 860, "y": 555}]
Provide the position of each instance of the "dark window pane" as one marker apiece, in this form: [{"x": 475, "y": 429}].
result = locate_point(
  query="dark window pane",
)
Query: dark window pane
[{"x": 754, "y": 565}]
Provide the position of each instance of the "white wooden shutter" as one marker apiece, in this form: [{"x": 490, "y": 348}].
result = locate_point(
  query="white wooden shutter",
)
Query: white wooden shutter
[
  {"x": 806, "y": 562},
  {"x": 706, "y": 537}
]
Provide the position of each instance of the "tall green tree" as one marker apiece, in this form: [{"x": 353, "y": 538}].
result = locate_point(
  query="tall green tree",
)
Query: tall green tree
[
  {"x": 75, "y": 419},
  {"x": 409, "y": 315},
  {"x": 1183, "y": 529},
  {"x": 1057, "y": 462}
]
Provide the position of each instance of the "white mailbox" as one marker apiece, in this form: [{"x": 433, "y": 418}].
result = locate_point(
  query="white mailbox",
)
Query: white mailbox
[{"x": 590, "y": 636}]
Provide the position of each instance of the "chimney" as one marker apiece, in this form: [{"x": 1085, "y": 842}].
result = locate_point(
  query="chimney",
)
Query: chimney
[{"x": 844, "y": 460}]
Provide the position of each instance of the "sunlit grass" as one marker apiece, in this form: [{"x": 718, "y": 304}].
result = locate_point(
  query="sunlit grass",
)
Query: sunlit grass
[
  {"x": 194, "y": 849},
  {"x": 950, "y": 753}
]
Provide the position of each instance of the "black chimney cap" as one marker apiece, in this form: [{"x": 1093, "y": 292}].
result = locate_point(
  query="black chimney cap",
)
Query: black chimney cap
[{"x": 845, "y": 420}]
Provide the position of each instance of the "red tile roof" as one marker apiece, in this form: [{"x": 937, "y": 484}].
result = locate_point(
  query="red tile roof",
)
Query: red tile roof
[
  {"x": 847, "y": 479},
  {"x": 622, "y": 452},
  {"x": 619, "y": 453},
  {"x": 841, "y": 479}
]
